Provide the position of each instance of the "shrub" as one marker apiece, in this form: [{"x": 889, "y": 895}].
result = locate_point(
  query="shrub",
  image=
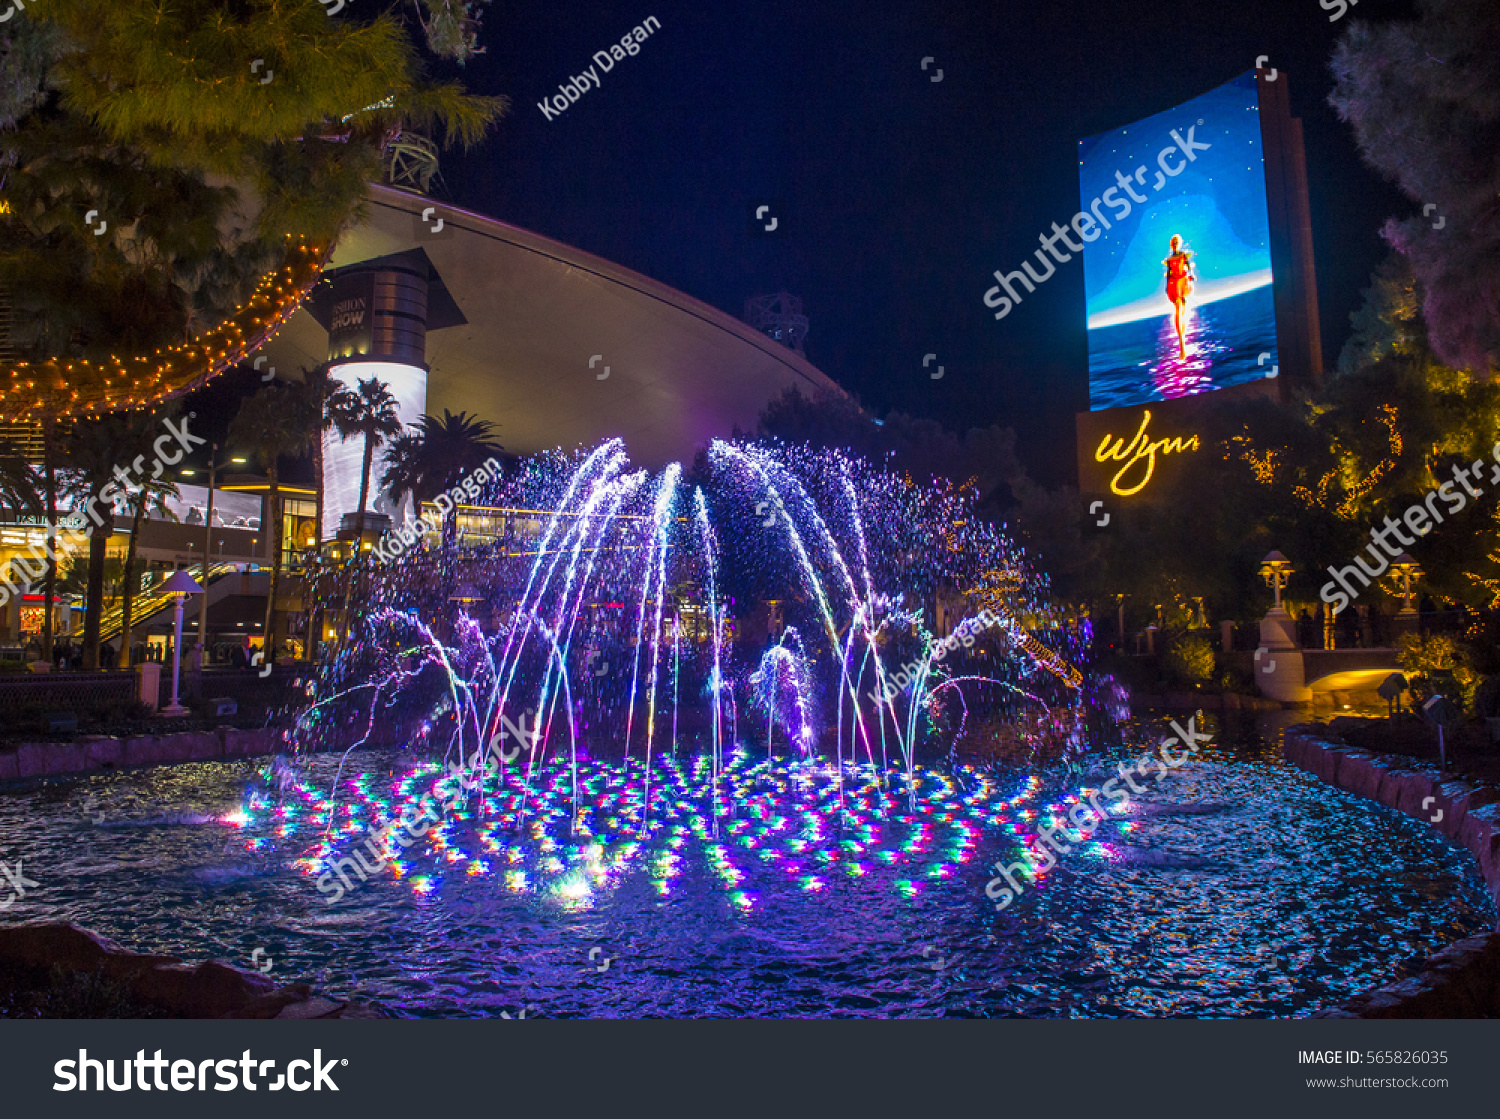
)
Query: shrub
[
  {"x": 1192, "y": 660},
  {"x": 1487, "y": 698},
  {"x": 1424, "y": 657}
]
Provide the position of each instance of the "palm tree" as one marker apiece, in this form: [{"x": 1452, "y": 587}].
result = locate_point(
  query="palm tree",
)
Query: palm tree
[
  {"x": 21, "y": 488},
  {"x": 429, "y": 459},
  {"x": 371, "y": 412},
  {"x": 93, "y": 450},
  {"x": 20, "y": 483},
  {"x": 261, "y": 427},
  {"x": 315, "y": 411},
  {"x": 434, "y": 455},
  {"x": 49, "y": 482}
]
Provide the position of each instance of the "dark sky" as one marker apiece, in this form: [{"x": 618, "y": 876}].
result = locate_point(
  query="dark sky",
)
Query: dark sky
[{"x": 897, "y": 195}]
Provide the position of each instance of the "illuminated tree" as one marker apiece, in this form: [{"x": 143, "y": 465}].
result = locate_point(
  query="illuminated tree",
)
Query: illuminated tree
[
  {"x": 1423, "y": 99},
  {"x": 158, "y": 155}
]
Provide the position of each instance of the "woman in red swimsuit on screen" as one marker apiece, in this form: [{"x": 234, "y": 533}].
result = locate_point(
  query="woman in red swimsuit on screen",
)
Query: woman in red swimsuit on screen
[{"x": 1179, "y": 286}]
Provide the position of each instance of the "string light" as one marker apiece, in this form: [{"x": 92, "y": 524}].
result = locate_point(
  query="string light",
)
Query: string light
[{"x": 72, "y": 389}]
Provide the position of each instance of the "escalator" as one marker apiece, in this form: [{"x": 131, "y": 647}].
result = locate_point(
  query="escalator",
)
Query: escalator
[{"x": 153, "y": 601}]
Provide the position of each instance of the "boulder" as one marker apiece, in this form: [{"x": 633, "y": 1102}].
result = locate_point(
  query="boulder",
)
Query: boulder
[
  {"x": 1362, "y": 776},
  {"x": 251, "y": 743},
  {"x": 1418, "y": 797},
  {"x": 1453, "y": 799},
  {"x": 1394, "y": 786},
  {"x": 42, "y": 944},
  {"x": 315, "y": 1007},
  {"x": 207, "y": 990},
  {"x": 271, "y": 1005},
  {"x": 1460, "y": 981},
  {"x": 210, "y": 990}
]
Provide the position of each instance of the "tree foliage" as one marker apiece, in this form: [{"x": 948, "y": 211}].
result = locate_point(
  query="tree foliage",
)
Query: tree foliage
[
  {"x": 195, "y": 136},
  {"x": 1423, "y": 98}
]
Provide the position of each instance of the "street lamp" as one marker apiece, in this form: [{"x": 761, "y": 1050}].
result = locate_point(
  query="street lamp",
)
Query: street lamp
[
  {"x": 208, "y": 528},
  {"x": 179, "y": 586},
  {"x": 1407, "y": 572},
  {"x": 1274, "y": 569}
]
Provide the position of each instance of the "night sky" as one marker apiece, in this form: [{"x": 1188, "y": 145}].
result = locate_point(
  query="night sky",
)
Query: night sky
[{"x": 896, "y": 196}]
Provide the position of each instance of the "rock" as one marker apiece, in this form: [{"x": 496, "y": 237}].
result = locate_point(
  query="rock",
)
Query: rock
[
  {"x": 250, "y": 743},
  {"x": 316, "y": 1007},
  {"x": 1299, "y": 743},
  {"x": 207, "y": 990},
  {"x": 1460, "y": 981},
  {"x": 178, "y": 747},
  {"x": 208, "y": 746},
  {"x": 10, "y": 767},
  {"x": 1418, "y": 798},
  {"x": 42, "y": 944},
  {"x": 271, "y": 1005},
  {"x": 1478, "y": 826},
  {"x": 1392, "y": 786},
  {"x": 357, "y": 1010},
  {"x": 1453, "y": 799},
  {"x": 1371, "y": 784}
]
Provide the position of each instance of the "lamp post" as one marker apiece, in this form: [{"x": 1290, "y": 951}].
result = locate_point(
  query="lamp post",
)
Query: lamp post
[
  {"x": 1274, "y": 569},
  {"x": 1407, "y": 572},
  {"x": 208, "y": 543},
  {"x": 179, "y": 586}
]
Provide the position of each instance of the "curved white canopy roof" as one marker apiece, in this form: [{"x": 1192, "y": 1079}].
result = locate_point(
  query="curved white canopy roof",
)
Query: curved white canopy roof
[{"x": 680, "y": 371}]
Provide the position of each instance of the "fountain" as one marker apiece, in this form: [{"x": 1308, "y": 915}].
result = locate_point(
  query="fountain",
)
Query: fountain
[
  {"x": 536, "y": 765},
  {"x": 781, "y": 733}
]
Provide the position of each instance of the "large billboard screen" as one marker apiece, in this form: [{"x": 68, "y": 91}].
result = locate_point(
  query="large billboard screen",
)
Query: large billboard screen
[{"x": 1177, "y": 253}]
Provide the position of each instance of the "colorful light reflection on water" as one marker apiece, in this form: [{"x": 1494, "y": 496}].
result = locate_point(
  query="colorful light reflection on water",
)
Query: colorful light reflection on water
[
  {"x": 1238, "y": 886},
  {"x": 802, "y": 821}
]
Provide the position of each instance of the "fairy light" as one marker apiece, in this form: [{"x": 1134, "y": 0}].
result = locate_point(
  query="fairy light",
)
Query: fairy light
[{"x": 77, "y": 388}]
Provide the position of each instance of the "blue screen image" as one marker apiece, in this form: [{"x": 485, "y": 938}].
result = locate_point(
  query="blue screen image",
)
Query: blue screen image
[{"x": 1195, "y": 172}]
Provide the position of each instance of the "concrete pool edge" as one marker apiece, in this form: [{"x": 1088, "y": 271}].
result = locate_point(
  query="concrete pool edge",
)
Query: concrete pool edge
[
  {"x": 102, "y": 754},
  {"x": 1463, "y": 979}
]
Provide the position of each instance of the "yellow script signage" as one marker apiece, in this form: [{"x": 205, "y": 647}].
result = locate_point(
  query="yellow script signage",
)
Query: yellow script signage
[{"x": 1141, "y": 449}]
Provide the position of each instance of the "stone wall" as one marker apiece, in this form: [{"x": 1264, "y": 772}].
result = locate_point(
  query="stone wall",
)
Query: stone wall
[
  {"x": 1462, "y": 980},
  {"x": 99, "y": 754}
]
